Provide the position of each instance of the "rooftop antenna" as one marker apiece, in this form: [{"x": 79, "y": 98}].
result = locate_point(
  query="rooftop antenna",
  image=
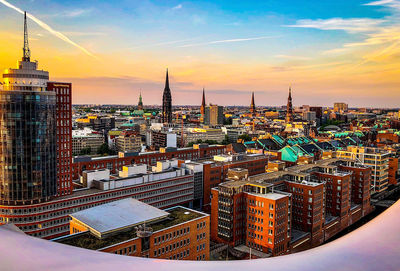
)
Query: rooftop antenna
[{"x": 27, "y": 52}]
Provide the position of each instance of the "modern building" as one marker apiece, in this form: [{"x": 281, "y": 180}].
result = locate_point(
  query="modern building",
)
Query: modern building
[
  {"x": 86, "y": 140},
  {"x": 194, "y": 135},
  {"x": 164, "y": 186},
  {"x": 214, "y": 115},
  {"x": 133, "y": 228},
  {"x": 167, "y": 102},
  {"x": 129, "y": 141},
  {"x": 28, "y": 134},
  {"x": 377, "y": 159}
]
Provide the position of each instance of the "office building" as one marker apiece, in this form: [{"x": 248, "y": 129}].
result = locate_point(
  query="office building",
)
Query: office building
[
  {"x": 214, "y": 115},
  {"x": 86, "y": 141},
  {"x": 133, "y": 228},
  {"x": 129, "y": 141},
  {"x": 377, "y": 159},
  {"x": 28, "y": 134}
]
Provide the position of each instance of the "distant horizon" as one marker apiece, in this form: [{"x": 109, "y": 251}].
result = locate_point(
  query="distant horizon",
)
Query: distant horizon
[
  {"x": 257, "y": 106},
  {"x": 328, "y": 51}
]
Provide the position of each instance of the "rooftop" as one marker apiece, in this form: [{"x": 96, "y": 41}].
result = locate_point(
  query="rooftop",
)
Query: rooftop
[
  {"x": 117, "y": 215},
  {"x": 177, "y": 215}
]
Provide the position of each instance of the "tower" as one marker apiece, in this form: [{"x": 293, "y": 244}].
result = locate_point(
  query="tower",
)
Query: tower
[
  {"x": 167, "y": 103},
  {"x": 140, "y": 103},
  {"x": 289, "y": 107},
  {"x": 203, "y": 107},
  {"x": 28, "y": 134},
  {"x": 252, "y": 104}
]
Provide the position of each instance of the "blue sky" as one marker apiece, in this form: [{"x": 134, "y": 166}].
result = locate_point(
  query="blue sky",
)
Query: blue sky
[{"x": 238, "y": 46}]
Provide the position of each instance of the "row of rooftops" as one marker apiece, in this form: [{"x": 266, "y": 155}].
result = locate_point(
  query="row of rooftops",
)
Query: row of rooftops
[{"x": 299, "y": 174}]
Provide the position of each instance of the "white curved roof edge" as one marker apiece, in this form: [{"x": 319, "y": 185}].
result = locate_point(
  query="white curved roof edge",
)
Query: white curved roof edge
[{"x": 374, "y": 246}]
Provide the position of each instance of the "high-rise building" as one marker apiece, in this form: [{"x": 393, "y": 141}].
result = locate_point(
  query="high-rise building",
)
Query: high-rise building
[
  {"x": 214, "y": 115},
  {"x": 252, "y": 104},
  {"x": 140, "y": 103},
  {"x": 289, "y": 108},
  {"x": 27, "y": 134},
  {"x": 167, "y": 102},
  {"x": 203, "y": 107},
  {"x": 64, "y": 135}
]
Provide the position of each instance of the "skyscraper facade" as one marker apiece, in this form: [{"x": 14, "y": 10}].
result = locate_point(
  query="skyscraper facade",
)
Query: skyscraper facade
[
  {"x": 214, "y": 115},
  {"x": 27, "y": 134},
  {"x": 167, "y": 103},
  {"x": 64, "y": 135}
]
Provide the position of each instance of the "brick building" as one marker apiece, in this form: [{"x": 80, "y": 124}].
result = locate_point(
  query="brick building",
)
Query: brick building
[
  {"x": 138, "y": 229},
  {"x": 64, "y": 135}
]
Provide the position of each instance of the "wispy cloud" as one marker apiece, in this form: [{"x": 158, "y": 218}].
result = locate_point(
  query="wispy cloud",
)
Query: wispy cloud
[
  {"x": 224, "y": 41},
  {"x": 387, "y": 3},
  {"x": 48, "y": 28},
  {"x": 177, "y": 7},
  {"x": 292, "y": 57},
  {"x": 76, "y": 13},
  {"x": 353, "y": 25}
]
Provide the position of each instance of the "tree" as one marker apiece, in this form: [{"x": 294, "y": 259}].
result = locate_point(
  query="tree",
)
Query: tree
[
  {"x": 245, "y": 137},
  {"x": 85, "y": 151},
  {"x": 226, "y": 141},
  {"x": 104, "y": 149}
]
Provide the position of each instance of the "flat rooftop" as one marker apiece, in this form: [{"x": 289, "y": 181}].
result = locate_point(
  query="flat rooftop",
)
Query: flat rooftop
[
  {"x": 118, "y": 214},
  {"x": 272, "y": 196},
  {"x": 177, "y": 215}
]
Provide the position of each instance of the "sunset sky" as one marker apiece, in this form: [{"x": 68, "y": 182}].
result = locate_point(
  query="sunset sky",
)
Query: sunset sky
[{"x": 329, "y": 51}]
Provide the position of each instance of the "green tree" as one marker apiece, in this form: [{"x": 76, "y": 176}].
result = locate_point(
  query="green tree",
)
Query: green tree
[
  {"x": 104, "y": 149},
  {"x": 245, "y": 137},
  {"x": 226, "y": 141},
  {"x": 85, "y": 151}
]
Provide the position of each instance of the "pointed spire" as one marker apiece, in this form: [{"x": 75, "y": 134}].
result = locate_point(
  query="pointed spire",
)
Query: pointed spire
[
  {"x": 167, "y": 81},
  {"x": 252, "y": 104},
  {"x": 203, "y": 101},
  {"x": 26, "y": 51}
]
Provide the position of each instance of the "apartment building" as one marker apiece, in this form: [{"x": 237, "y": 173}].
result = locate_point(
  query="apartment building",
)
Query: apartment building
[{"x": 129, "y": 141}]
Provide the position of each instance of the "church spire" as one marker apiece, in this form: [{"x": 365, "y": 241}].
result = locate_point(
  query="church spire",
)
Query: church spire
[
  {"x": 167, "y": 102},
  {"x": 140, "y": 104},
  {"x": 203, "y": 106},
  {"x": 289, "y": 107},
  {"x": 252, "y": 104},
  {"x": 26, "y": 51}
]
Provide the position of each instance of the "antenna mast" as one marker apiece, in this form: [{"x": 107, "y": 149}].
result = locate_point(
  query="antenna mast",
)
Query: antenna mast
[{"x": 27, "y": 52}]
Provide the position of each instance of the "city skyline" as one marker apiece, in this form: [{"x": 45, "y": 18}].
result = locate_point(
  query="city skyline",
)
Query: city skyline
[{"x": 344, "y": 51}]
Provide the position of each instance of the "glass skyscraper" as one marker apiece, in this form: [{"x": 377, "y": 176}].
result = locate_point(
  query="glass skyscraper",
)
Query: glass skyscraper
[{"x": 28, "y": 172}]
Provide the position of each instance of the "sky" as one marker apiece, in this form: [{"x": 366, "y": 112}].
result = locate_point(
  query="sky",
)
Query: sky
[{"x": 328, "y": 51}]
